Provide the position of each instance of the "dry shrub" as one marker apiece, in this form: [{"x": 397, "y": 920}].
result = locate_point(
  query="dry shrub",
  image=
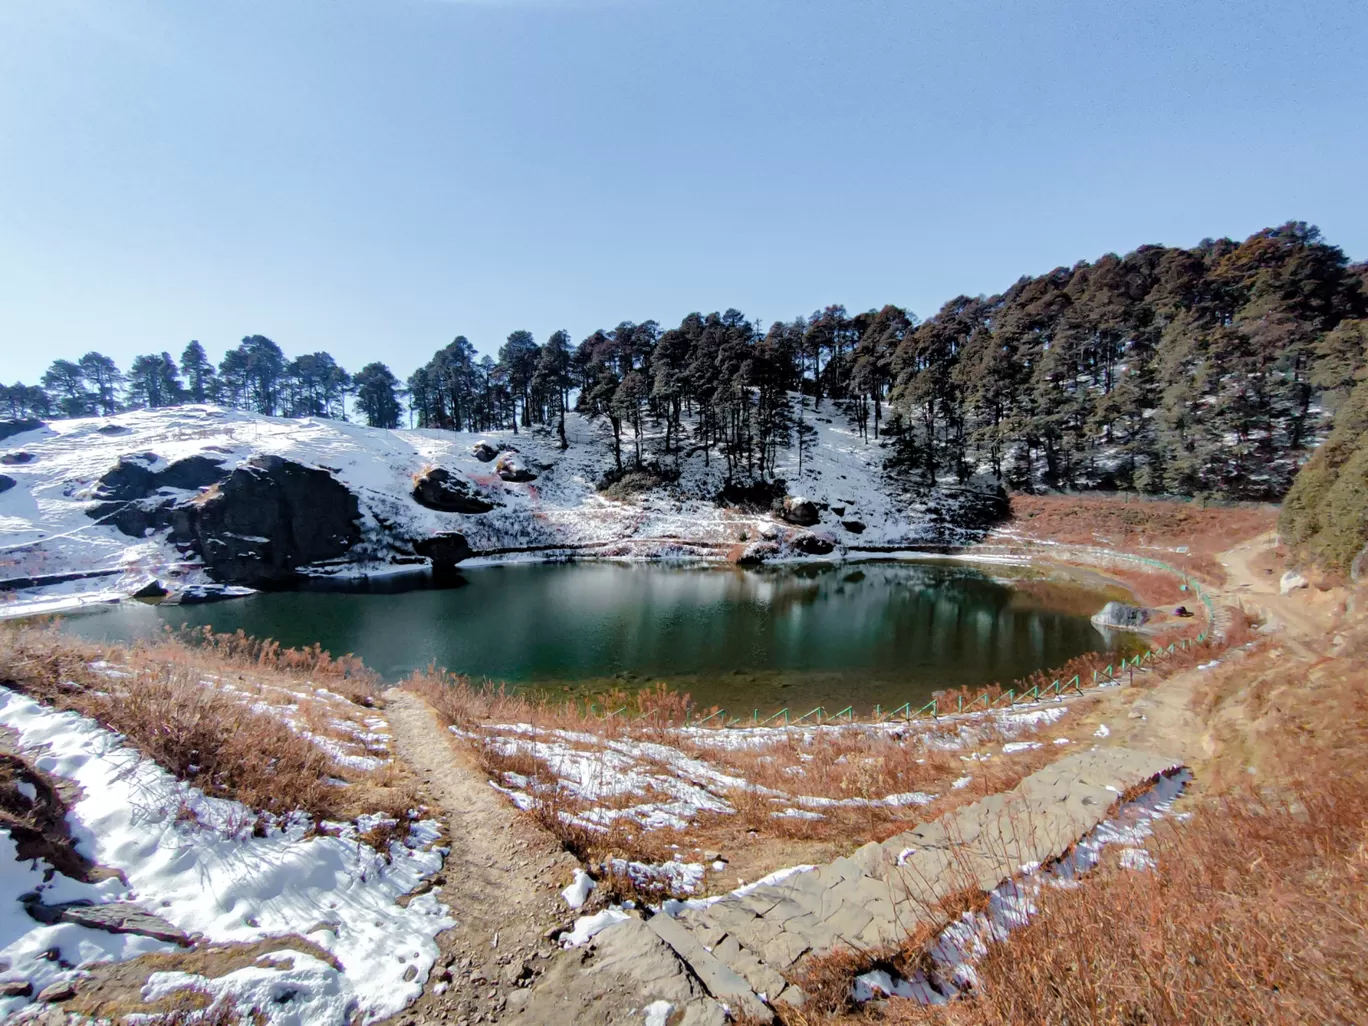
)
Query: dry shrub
[
  {"x": 198, "y": 733},
  {"x": 1256, "y": 913},
  {"x": 826, "y": 981},
  {"x": 345, "y": 675}
]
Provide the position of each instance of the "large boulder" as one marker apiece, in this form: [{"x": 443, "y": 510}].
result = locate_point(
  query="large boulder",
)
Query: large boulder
[
  {"x": 13, "y": 458},
  {"x": 811, "y": 544},
  {"x": 190, "y": 474},
  {"x": 437, "y": 488},
  {"x": 6, "y": 483},
  {"x": 269, "y": 517},
  {"x": 444, "y": 551},
  {"x": 484, "y": 452},
  {"x": 1291, "y": 581},
  {"x": 449, "y": 547},
  {"x": 130, "y": 491},
  {"x": 800, "y": 511},
  {"x": 1120, "y": 616},
  {"x": 511, "y": 468},
  {"x": 131, "y": 478}
]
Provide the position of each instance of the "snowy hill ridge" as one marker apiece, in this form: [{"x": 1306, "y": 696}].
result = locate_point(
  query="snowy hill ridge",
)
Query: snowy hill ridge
[{"x": 102, "y": 507}]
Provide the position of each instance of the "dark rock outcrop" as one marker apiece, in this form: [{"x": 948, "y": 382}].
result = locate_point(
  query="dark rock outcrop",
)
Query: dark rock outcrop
[
  {"x": 812, "y": 544},
  {"x": 15, "y": 458},
  {"x": 6, "y": 483},
  {"x": 800, "y": 511},
  {"x": 266, "y": 519},
  {"x": 450, "y": 547},
  {"x": 854, "y": 526},
  {"x": 511, "y": 468},
  {"x": 10, "y": 428},
  {"x": 130, "y": 491},
  {"x": 191, "y": 473},
  {"x": 444, "y": 551},
  {"x": 114, "y": 429},
  {"x": 437, "y": 488},
  {"x": 152, "y": 589},
  {"x": 131, "y": 478},
  {"x": 483, "y": 451}
]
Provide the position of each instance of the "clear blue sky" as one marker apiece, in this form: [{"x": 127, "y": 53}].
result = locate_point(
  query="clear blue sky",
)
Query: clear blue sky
[{"x": 374, "y": 177}]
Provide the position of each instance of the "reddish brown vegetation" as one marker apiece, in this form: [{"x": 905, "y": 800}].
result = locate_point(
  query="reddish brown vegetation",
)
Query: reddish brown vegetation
[
  {"x": 174, "y": 703},
  {"x": 1144, "y": 527}
]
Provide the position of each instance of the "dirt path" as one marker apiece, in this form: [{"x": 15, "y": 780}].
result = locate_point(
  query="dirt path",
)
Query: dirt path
[
  {"x": 1252, "y": 580},
  {"x": 500, "y": 880},
  {"x": 1162, "y": 719}
]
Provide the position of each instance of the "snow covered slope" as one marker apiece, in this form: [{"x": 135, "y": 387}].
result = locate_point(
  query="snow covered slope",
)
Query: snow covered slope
[{"x": 47, "y": 532}]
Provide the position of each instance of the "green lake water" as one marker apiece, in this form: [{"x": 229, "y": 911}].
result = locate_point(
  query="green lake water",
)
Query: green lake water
[{"x": 836, "y": 635}]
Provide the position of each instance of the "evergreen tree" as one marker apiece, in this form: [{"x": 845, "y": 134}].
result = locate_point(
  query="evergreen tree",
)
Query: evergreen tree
[
  {"x": 200, "y": 386},
  {"x": 105, "y": 378},
  {"x": 154, "y": 382},
  {"x": 552, "y": 379},
  {"x": 65, "y": 383},
  {"x": 377, "y": 395}
]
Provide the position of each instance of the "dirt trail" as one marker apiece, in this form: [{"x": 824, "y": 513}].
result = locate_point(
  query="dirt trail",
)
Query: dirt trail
[
  {"x": 500, "y": 880},
  {"x": 1298, "y": 612},
  {"x": 1162, "y": 719}
]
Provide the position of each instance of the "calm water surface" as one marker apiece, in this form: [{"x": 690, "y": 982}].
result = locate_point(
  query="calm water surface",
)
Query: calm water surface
[{"x": 851, "y": 634}]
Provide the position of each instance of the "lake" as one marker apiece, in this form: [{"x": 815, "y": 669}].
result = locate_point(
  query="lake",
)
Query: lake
[{"x": 861, "y": 634}]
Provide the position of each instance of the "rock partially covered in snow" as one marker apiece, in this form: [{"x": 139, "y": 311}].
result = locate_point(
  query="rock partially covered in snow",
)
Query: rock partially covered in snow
[
  {"x": 1291, "y": 581},
  {"x": 269, "y": 517},
  {"x": 511, "y": 468},
  {"x": 1121, "y": 616},
  {"x": 13, "y": 458},
  {"x": 484, "y": 452},
  {"x": 438, "y": 488},
  {"x": 800, "y": 511},
  {"x": 812, "y": 544},
  {"x": 6, "y": 483},
  {"x": 449, "y": 548}
]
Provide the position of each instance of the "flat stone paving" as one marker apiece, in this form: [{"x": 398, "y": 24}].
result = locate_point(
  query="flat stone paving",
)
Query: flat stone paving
[{"x": 741, "y": 948}]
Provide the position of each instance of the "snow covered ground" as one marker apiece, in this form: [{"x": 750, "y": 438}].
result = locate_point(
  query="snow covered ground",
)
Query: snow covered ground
[
  {"x": 668, "y": 782},
  {"x": 45, "y": 531},
  {"x": 220, "y": 873}
]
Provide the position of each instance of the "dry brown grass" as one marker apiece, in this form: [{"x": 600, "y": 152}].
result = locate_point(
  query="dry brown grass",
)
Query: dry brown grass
[
  {"x": 1142, "y": 526},
  {"x": 1257, "y": 911},
  {"x": 205, "y": 731}
]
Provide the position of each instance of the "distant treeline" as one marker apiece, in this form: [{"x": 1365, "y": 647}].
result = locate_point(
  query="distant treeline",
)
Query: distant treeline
[{"x": 1210, "y": 370}]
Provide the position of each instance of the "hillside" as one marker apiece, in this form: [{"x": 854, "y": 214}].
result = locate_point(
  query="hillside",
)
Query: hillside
[
  {"x": 1325, "y": 516},
  {"x": 200, "y": 500}
]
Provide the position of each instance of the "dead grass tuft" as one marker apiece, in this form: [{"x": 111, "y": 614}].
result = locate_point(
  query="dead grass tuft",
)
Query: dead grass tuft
[{"x": 217, "y": 737}]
